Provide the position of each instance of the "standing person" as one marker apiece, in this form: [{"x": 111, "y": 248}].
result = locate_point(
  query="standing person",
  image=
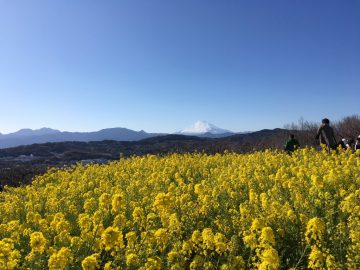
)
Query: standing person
[
  {"x": 326, "y": 135},
  {"x": 292, "y": 144},
  {"x": 357, "y": 144}
]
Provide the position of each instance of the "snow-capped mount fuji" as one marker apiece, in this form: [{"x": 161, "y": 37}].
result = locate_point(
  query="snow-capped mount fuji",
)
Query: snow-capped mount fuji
[{"x": 205, "y": 129}]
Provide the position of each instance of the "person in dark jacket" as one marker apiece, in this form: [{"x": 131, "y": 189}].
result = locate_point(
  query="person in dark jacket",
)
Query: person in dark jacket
[
  {"x": 357, "y": 143},
  {"x": 326, "y": 135},
  {"x": 292, "y": 144}
]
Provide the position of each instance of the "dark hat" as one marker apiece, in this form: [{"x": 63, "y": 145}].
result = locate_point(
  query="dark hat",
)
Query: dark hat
[{"x": 325, "y": 121}]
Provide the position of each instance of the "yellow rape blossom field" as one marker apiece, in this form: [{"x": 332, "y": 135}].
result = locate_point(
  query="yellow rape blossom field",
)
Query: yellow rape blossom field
[{"x": 264, "y": 210}]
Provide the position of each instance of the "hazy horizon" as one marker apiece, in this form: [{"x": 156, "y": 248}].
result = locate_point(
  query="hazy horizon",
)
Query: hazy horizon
[
  {"x": 160, "y": 66},
  {"x": 25, "y": 128}
]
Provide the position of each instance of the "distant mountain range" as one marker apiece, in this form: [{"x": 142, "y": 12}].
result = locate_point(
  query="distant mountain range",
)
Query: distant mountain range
[{"x": 45, "y": 135}]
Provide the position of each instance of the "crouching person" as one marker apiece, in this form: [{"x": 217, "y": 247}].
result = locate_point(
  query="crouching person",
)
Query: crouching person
[{"x": 292, "y": 144}]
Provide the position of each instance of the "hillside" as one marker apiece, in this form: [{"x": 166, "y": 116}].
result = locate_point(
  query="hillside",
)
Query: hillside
[{"x": 20, "y": 164}]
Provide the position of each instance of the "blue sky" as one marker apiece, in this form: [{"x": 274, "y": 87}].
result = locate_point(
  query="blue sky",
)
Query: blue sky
[{"x": 162, "y": 65}]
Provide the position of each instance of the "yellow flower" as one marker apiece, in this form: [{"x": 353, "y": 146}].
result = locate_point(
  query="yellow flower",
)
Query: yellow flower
[
  {"x": 119, "y": 221},
  {"x": 76, "y": 242},
  {"x": 174, "y": 223},
  {"x": 250, "y": 240},
  {"x": 208, "y": 238},
  {"x": 267, "y": 237},
  {"x": 220, "y": 242},
  {"x": 131, "y": 239},
  {"x": 138, "y": 214},
  {"x": 331, "y": 263},
  {"x": 196, "y": 237},
  {"x": 269, "y": 259},
  {"x": 253, "y": 197},
  {"x": 316, "y": 259},
  {"x": 198, "y": 189},
  {"x": 132, "y": 259},
  {"x": 314, "y": 230},
  {"x": 257, "y": 224},
  {"x": 291, "y": 215},
  {"x": 90, "y": 205},
  {"x": 9, "y": 256},
  {"x": 85, "y": 222},
  {"x": 91, "y": 262},
  {"x": 118, "y": 203},
  {"x": 186, "y": 248},
  {"x": 38, "y": 242},
  {"x": 110, "y": 238},
  {"x": 105, "y": 200},
  {"x": 172, "y": 256},
  {"x": 60, "y": 260},
  {"x": 162, "y": 237},
  {"x": 317, "y": 181},
  {"x": 162, "y": 202},
  {"x": 196, "y": 263},
  {"x": 63, "y": 239},
  {"x": 153, "y": 264},
  {"x": 237, "y": 262},
  {"x": 108, "y": 266}
]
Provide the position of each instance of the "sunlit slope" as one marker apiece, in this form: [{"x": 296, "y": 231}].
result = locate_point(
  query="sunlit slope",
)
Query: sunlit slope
[{"x": 265, "y": 210}]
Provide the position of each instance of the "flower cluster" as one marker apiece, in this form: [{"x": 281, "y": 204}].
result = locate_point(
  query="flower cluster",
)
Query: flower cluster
[{"x": 264, "y": 210}]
